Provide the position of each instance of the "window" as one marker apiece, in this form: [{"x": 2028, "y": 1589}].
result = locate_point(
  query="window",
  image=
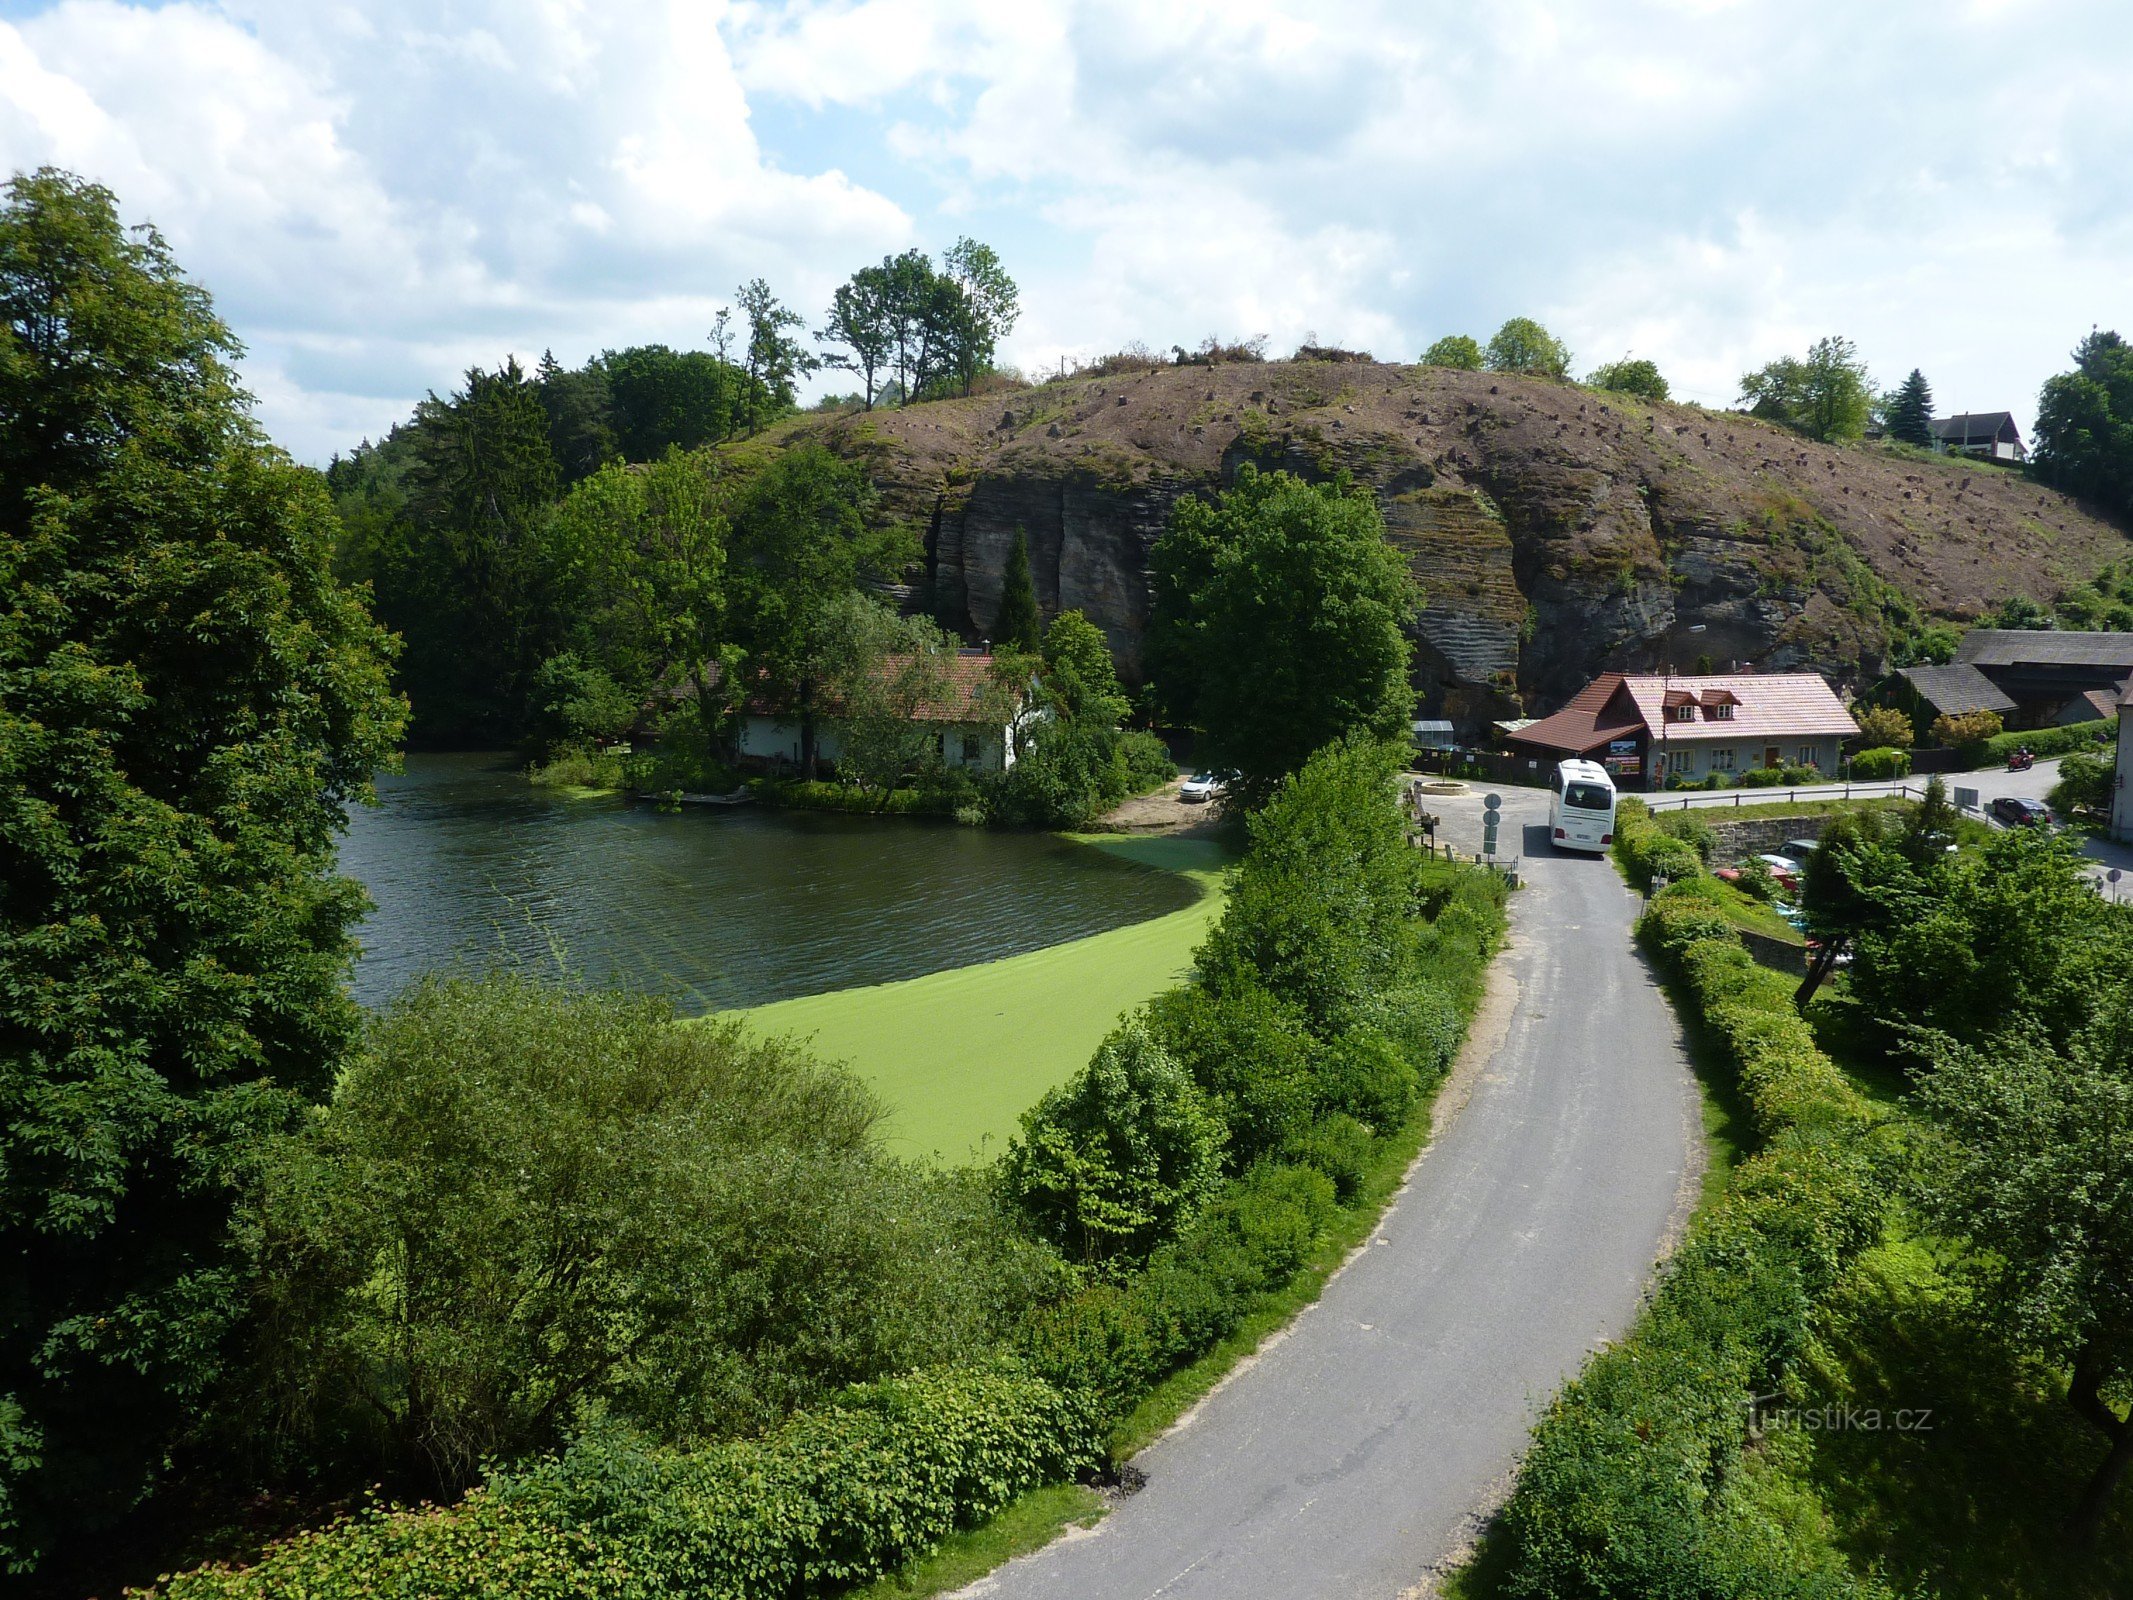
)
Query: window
[
  {"x": 1588, "y": 797},
  {"x": 1721, "y": 712},
  {"x": 1721, "y": 760},
  {"x": 1807, "y": 755},
  {"x": 1685, "y": 712},
  {"x": 970, "y": 747}
]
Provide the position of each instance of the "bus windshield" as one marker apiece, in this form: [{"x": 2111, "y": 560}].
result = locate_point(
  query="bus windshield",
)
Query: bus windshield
[{"x": 1588, "y": 797}]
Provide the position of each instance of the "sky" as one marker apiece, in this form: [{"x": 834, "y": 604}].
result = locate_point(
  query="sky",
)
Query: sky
[{"x": 382, "y": 193}]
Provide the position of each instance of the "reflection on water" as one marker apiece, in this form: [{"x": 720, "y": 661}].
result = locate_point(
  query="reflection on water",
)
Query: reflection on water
[{"x": 717, "y": 908}]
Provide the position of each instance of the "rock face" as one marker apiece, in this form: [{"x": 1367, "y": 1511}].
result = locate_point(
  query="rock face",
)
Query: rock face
[{"x": 1556, "y": 532}]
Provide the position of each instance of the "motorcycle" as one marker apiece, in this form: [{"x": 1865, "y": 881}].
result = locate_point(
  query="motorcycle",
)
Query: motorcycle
[{"x": 2021, "y": 761}]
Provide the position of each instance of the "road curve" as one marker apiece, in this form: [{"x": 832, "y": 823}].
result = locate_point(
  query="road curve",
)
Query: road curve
[{"x": 1354, "y": 1455}]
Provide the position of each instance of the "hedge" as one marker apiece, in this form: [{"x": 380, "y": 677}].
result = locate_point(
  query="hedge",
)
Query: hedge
[
  {"x": 1883, "y": 761},
  {"x": 1633, "y": 1486},
  {"x": 1646, "y": 850},
  {"x": 835, "y": 1497},
  {"x": 2041, "y": 742}
]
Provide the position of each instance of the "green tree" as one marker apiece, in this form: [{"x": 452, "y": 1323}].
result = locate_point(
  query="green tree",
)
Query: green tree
[
  {"x": 662, "y": 399},
  {"x": 2084, "y": 434},
  {"x": 1019, "y": 625},
  {"x": 1857, "y": 881},
  {"x": 1881, "y": 726},
  {"x": 529, "y": 1208},
  {"x": 776, "y": 361},
  {"x": 886, "y": 674},
  {"x": 580, "y": 408},
  {"x": 2085, "y": 783},
  {"x": 803, "y": 537},
  {"x": 981, "y": 307},
  {"x": 860, "y": 329},
  {"x": 918, "y": 318},
  {"x": 187, "y": 704},
  {"x": 1640, "y": 378},
  {"x": 1523, "y": 345},
  {"x": 1827, "y": 396},
  {"x": 2033, "y": 1166},
  {"x": 1288, "y": 609},
  {"x": 1458, "y": 351},
  {"x": 580, "y": 704},
  {"x": 1079, "y": 670},
  {"x": 1910, "y": 412},
  {"x": 1116, "y": 1160}
]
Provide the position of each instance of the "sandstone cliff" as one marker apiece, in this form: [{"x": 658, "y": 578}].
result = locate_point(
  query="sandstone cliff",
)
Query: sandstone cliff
[{"x": 1556, "y": 532}]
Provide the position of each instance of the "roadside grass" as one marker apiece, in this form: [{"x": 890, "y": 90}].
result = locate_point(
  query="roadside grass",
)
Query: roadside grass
[
  {"x": 1757, "y": 916},
  {"x": 1027, "y": 1524},
  {"x": 1664, "y": 805},
  {"x": 959, "y": 1055}
]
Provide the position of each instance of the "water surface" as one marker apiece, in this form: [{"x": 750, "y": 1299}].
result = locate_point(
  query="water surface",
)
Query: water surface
[{"x": 717, "y": 907}]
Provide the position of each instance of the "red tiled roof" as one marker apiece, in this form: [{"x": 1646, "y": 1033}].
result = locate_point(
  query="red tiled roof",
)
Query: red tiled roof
[
  {"x": 968, "y": 674},
  {"x": 1578, "y": 727}
]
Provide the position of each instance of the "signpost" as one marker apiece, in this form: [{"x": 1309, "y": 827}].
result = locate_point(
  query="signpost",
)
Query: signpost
[{"x": 1491, "y": 814}]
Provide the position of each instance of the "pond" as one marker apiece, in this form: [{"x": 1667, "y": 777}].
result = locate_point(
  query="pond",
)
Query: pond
[{"x": 716, "y": 907}]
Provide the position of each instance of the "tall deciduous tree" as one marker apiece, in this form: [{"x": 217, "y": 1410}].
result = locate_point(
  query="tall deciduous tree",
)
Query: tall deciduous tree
[
  {"x": 2084, "y": 430},
  {"x": 1910, "y": 411},
  {"x": 1827, "y": 395},
  {"x": 860, "y": 329},
  {"x": 1638, "y": 377},
  {"x": 776, "y": 360},
  {"x": 981, "y": 307},
  {"x": 1294, "y": 628},
  {"x": 1018, "y": 627},
  {"x": 917, "y": 318},
  {"x": 1523, "y": 345},
  {"x": 187, "y": 703}
]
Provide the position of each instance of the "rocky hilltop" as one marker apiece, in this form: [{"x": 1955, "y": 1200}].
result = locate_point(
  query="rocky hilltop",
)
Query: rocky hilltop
[{"x": 1556, "y": 531}]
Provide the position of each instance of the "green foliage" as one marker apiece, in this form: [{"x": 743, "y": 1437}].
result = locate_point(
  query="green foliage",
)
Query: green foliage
[
  {"x": 834, "y": 1497},
  {"x": 775, "y": 360},
  {"x": 528, "y": 1208},
  {"x": 1018, "y": 626},
  {"x": 1967, "y": 728},
  {"x": 859, "y": 329},
  {"x": 2043, "y": 742},
  {"x": 1523, "y": 345},
  {"x": 1756, "y": 881},
  {"x": 1459, "y": 351},
  {"x": 1633, "y": 1485},
  {"x": 2084, "y": 432},
  {"x": 1284, "y": 606},
  {"x": 1251, "y": 1054},
  {"x": 1149, "y": 763},
  {"x": 580, "y": 704},
  {"x": 1640, "y": 378},
  {"x": 884, "y": 677},
  {"x": 982, "y": 306},
  {"x": 1075, "y": 763},
  {"x": 188, "y": 702},
  {"x": 1116, "y": 1160},
  {"x": 1884, "y": 762},
  {"x": 2085, "y": 783},
  {"x": 1884, "y": 726},
  {"x": 1826, "y": 396},
  {"x": 1649, "y": 852},
  {"x": 1910, "y": 412}
]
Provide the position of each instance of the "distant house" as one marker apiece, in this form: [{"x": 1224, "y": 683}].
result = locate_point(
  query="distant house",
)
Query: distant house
[
  {"x": 2122, "y": 782},
  {"x": 1434, "y": 733},
  {"x": 2033, "y": 677},
  {"x": 1644, "y": 727},
  {"x": 1991, "y": 435},
  {"x": 970, "y": 734}
]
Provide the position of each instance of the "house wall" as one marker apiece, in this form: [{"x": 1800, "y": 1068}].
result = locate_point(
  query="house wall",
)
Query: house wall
[
  {"x": 1700, "y": 757},
  {"x": 774, "y": 739},
  {"x": 2122, "y": 785}
]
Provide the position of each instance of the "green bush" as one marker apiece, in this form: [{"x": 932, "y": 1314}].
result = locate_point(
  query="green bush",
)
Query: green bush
[
  {"x": 1111, "y": 1163},
  {"x": 1647, "y": 851},
  {"x": 1149, "y": 764},
  {"x": 2084, "y": 784},
  {"x": 2042, "y": 742},
  {"x": 835, "y": 1497},
  {"x": 1633, "y": 1485},
  {"x": 1692, "y": 830},
  {"x": 1364, "y": 1075},
  {"x": 1882, "y": 763},
  {"x": 1252, "y": 1056}
]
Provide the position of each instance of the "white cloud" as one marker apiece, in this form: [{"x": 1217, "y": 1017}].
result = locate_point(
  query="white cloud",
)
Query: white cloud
[{"x": 382, "y": 193}]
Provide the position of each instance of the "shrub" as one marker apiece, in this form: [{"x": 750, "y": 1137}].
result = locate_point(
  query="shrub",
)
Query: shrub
[
  {"x": 1365, "y": 1075},
  {"x": 833, "y": 1498},
  {"x": 1884, "y": 762},
  {"x": 1884, "y": 726},
  {"x": 1338, "y": 1146},
  {"x": 1647, "y": 852},
  {"x": 1755, "y": 879},
  {"x": 2084, "y": 783},
  {"x": 525, "y": 1206},
  {"x": 1251, "y": 1055},
  {"x": 2042, "y": 742},
  {"x": 1109, "y": 1164},
  {"x": 1149, "y": 764},
  {"x": 1692, "y": 830},
  {"x": 1972, "y": 727}
]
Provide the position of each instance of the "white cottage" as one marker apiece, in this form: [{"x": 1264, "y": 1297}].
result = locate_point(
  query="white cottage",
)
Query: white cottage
[{"x": 970, "y": 734}]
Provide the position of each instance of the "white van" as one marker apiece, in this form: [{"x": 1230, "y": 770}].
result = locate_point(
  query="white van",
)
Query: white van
[{"x": 1581, "y": 810}]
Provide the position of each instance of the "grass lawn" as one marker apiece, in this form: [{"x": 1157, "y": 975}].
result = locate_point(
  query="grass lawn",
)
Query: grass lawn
[{"x": 960, "y": 1055}]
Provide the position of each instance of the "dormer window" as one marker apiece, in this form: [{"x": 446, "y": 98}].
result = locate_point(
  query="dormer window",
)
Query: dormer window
[
  {"x": 1685, "y": 712},
  {"x": 1722, "y": 712}
]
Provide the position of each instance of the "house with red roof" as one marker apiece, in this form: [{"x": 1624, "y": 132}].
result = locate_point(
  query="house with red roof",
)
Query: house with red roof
[
  {"x": 1645, "y": 727},
  {"x": 975, "y": 721}
]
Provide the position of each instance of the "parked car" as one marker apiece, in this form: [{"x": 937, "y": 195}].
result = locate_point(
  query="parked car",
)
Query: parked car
[
  {"x": 1784, "y": 869},
  {"x": 1202, "y": 787},
  {"x": 2019, "y": 811},
  {"x": 1801, "y": 849}
]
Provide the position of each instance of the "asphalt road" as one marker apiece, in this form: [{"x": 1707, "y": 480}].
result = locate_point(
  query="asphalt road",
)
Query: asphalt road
[{"x": 1356, "y": 1454}]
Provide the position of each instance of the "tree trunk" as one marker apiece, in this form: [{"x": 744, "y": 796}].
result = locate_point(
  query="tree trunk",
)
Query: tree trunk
[
  {"x": 2085, "y": 1393},
  {"x": 1824, "y": 963}
]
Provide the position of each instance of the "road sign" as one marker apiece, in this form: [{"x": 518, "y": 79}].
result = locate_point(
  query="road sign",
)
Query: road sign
[
  {"x": 1966, "y": 799},
  {"x": 1492, "y": 802}
]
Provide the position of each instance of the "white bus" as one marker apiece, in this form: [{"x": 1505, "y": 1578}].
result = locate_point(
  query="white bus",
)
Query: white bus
[{"x": 1581, "y": 809}]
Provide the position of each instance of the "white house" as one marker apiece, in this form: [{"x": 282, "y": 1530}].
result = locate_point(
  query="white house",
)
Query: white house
[
  {"x": 967, "y": 737},
  {"x": 2122, "y": 780},
  {"x": 1645, "y": 727}
]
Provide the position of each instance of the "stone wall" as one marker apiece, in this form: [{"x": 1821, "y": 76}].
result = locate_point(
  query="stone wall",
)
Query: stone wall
[{"x": 1736, "y": 841}]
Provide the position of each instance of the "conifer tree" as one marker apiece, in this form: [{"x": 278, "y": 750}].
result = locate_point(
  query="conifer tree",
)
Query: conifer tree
[
  {"x": 1018, "y": 627},
  {"x": 1911, "y": 411}
]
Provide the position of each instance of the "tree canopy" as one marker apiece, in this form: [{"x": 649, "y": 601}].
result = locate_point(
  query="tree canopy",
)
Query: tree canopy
[
  {"x": 188, "y": 701},
  {"x": 1286, "y": 611},
  {"x": 1637, "y": 377},
  {"x": 1825, "y": 395},
  {"x": 1459, "y": 351},
  {"x": 1523, "y": 345},
  {"x": 1909, "y": 417},
  {"x": 2084, "y": 433}
]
